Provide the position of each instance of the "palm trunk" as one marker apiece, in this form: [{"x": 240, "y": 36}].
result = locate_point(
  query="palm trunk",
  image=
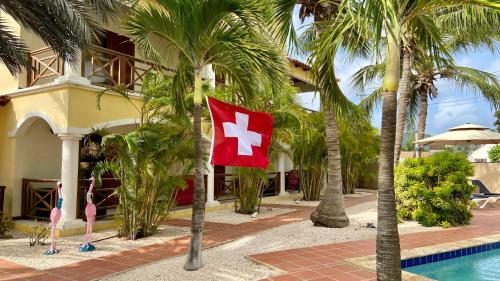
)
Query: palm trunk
[
  {"x": 422, "y": 116},
  {"x": 404, "y": 96},
  {"x": 388, "y": 248},
  {"x": 194, "y": 260},
  {"x": 330, "y": 212}
]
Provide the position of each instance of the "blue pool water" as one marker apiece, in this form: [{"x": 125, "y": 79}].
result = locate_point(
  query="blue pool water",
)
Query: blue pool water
[{"x": 483, "y": 266}]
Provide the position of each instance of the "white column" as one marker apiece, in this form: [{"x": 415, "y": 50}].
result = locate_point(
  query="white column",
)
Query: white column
[
  {"x": 69, "y": 178},
  {"x": 73, "y": 72},
  {"x": 211, "y": 202},
  {"x": 208, "y": 74},
  {"x": 281, "y": 169}
]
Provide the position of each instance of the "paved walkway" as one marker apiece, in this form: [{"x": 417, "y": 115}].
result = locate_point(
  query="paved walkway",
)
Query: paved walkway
[
  {"x": 215, "y": 234},
  {"x": 326, "y": 262}
]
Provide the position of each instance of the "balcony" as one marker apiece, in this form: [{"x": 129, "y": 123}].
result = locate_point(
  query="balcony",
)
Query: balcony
[{"x": 103, "y": 67}]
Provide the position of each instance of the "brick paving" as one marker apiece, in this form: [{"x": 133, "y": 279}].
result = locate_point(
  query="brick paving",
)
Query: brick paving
[
  {"x": 215, "y": 234},
  {"x": 326, "y": 262},
  {"x": 323, "y": 262}
]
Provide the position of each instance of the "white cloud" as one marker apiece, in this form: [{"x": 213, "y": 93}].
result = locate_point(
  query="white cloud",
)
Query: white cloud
[{"x": 446, "y": 115}]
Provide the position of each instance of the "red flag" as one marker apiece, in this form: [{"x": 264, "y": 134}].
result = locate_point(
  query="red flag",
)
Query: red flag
[{"x": 240, "y": 137}]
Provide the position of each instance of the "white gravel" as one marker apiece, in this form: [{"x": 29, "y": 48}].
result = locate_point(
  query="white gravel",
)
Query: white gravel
[
  {"x": 228, "y": 262},
  {"x": 295, "y": 199},
  {"x": 18, "y": 250},
  {"x": 230, "y": 217}
]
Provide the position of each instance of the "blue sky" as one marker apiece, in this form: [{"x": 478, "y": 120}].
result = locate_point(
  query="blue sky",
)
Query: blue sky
[{"x": 453, "y": 106}]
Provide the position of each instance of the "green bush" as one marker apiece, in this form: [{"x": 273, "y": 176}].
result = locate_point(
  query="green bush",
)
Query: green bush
[
  {"x": 5, "y": 226},
  {"x": 494, "y": 154},
  {"x": 310, "y": 155},
  {"x": 435, "y": 190}
]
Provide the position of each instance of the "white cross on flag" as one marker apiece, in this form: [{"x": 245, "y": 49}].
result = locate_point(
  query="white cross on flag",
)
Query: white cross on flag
[{"x": 239, "y": 137}]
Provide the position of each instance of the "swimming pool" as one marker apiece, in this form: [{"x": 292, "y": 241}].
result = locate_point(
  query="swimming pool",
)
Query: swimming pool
[{"x": 479, "y": 263}]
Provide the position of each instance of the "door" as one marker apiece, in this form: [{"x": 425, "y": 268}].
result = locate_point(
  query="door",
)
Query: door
[{"x": 121, "y": 69}]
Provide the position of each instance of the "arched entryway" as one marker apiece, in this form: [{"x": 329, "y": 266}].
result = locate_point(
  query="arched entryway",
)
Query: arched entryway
[{"x": 38, "y": 154}]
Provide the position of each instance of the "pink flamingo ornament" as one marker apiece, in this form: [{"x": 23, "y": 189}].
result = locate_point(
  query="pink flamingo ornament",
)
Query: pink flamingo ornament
[
  {"x": 55, "y": 216},
  {"x": 90, "y": 213}
]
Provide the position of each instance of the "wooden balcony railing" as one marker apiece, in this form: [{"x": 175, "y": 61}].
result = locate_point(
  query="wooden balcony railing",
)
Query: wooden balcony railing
[
  {"x": 39, "y": 196},
  {"x": 224, "y": 185},
  {"x": 101, "y": 66},
  {"x": 45, "y": 66},
  {"x": 108, "y": 67},
  {"x": 104, "y": 198}
]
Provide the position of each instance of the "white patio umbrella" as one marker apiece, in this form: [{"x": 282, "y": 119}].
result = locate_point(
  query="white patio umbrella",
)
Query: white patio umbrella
[{"x": 463, "y": 134}]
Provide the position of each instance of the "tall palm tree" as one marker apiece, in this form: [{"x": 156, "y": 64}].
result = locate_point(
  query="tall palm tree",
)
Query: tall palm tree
[
  {"x": 422, "y": 85},
  {"x": 472, "y": 80},
  {"x": 464, "y": 27},
  {"x": 64, "y": 25},
  {"x": 330, "y": 212},
  {"x": 232, "y": 36},
  {"x": 386, "y": 22}
]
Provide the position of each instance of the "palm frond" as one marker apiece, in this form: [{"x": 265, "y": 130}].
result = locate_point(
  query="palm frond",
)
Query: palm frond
[
  {"x": 13, "y": 52},
  {"x": 372, "y": 101},
  {"x": 366, "y": 75},
  {"x": 474, "y": 81},
  {"x": 412, "y": 111},
  {"x": 67, "y": 26},
  {"x": 282, "y": 26},
  {"x": 158, "y": 32},
  {"x": 469, "y": 28}
]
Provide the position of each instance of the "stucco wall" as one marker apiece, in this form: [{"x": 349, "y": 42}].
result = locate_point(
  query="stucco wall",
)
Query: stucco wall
[
  {"x": 38, "y": 156},
  {"x": 489, "y": 175},
  {"x": 52, "y": 103},
  {"x": 7, "y": 148},
  {"x": 83, "y": 111},
  {"x": 66, "y": 108}
]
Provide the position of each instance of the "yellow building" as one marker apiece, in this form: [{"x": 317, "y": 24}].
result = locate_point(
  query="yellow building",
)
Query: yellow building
[{"x": 47, "y": 110}]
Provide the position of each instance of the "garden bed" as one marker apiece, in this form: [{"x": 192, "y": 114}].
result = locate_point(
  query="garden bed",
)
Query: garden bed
[{"x": 17, "y": 250}]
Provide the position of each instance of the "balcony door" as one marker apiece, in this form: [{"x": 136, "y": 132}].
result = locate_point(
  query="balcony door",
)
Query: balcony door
[
  {"x": 121, "y": 68},
  {"x": 112, "y": 62}
]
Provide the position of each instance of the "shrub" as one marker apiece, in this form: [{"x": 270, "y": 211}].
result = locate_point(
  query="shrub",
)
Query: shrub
[
  {"x": 150, "y": 164},
  {"x": 435, "y": 190},
  {"x": 39, "y": 234},
  {"x": 310, "y": 154},
  {"x": 359, "y": 148},
  {"x": 494, "y": 154},
  {"x": 251, "y": 182},
  {"x": 5, "y": 226}
]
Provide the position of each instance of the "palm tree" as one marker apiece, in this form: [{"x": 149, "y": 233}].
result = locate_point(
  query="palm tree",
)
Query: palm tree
[
  {"x": 232, "y": 36},
  {"x": 422, "y": 84},
  {"x": 330, "y": 212},
  {"x": 65, "y": 25},
  {"x": 386, "y": 23},
  {"x": 472, "y": 80},
  {"x": 465, "y": 27}
]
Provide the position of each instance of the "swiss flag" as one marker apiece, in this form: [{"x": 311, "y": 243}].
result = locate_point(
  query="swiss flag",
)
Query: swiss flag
[{"x": 240, "y": 137}]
